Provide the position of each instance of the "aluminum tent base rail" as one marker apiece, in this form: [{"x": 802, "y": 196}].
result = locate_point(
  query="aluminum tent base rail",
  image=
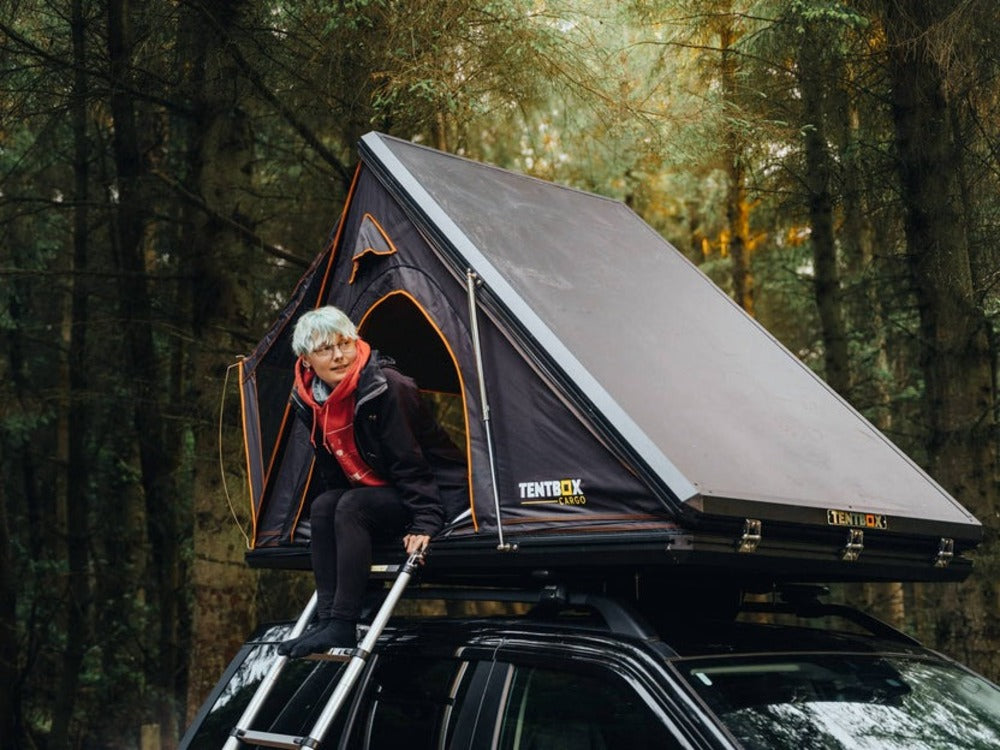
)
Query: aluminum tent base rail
[{"x": 752, "y": 553}]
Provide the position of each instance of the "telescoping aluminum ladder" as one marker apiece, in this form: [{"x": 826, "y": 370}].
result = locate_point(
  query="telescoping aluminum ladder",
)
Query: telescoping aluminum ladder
[{"x": 243, "y": 735}]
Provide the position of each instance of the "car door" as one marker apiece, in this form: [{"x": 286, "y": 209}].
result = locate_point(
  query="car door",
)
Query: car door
[{"x": 409, "y": 699}]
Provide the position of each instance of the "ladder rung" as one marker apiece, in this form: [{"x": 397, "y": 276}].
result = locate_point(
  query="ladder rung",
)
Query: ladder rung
[
  {"x": 384, "y": 572},
  {"x": 334, "y": 654},
  {"x": 271, "y": 739}
]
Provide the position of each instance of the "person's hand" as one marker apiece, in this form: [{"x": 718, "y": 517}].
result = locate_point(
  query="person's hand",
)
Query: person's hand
[{"x": 416, "y": 543}]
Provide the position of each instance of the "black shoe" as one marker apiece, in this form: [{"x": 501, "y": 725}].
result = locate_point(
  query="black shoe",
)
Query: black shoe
[
  {"x": 285, "y": 647},
  {"x": 329, "y": 633}
]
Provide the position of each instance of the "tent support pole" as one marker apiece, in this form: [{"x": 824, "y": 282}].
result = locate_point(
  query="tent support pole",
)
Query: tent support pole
[{"x": 471, "y": 279}]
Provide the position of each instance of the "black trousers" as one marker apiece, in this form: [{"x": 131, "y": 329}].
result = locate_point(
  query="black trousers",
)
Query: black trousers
[{"x": 344, "y": 524}]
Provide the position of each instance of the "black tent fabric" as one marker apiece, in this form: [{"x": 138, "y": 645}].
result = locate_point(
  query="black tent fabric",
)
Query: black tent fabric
[{"x": 632, "y": 406}]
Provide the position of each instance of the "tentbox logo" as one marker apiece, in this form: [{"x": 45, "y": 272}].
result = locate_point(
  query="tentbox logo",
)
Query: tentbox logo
[{"x": 560, "y": 491}]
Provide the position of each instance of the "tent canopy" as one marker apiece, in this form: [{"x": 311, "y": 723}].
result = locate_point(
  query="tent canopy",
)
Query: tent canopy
[{"x": 629, "y": 398}]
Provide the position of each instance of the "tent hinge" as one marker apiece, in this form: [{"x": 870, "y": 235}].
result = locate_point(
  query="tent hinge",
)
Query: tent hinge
[
  {"x": 750, "y": 539},
  {"x": 945, "y": 553},
  {"x": 855, "y": 545}
]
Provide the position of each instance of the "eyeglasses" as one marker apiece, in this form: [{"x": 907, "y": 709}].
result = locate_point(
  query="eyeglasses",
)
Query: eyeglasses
[{"x": 327, "y": 350}]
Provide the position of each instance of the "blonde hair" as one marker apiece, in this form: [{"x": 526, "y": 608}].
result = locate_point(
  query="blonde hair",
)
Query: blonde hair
[{"x": 321, "y": 326}]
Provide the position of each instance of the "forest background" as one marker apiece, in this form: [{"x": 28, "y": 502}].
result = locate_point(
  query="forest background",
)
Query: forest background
[{"x": 169, "y": 167}]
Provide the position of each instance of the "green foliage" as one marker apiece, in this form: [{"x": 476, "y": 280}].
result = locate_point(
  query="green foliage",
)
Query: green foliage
[{"x": 836, "y": 14}]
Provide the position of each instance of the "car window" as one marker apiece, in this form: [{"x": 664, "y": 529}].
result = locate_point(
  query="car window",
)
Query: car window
[
  {"x": 296, "y": 700},
  {"x": 848, "y": 702},
  {"x": 549, "y": 709},
  {"x": 408, "y": 703}
]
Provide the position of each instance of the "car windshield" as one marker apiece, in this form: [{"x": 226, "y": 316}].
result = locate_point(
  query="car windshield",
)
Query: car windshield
[{"x": 856, "y": 701}]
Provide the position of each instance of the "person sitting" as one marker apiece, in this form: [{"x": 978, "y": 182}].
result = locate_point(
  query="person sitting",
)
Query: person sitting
[{"x": 386, "y": 467}]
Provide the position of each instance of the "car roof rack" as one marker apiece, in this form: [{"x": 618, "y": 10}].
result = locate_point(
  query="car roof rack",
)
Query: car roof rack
[
  {"x": 632, "y": 612},
  {"x": 802, "y": 600},
  {"x": 551, "y": 602}
]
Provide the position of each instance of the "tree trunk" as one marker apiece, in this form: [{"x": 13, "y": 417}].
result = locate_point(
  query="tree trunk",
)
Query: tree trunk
[
  {"x": 865, "y": 315},
  {"x": 814, "y": 82},
  {"x": 74, "y": 415},
  {"x": 219, "y": 171},
  {"x": 8, "y": 629},
  {"x": 145, "y": 374},
  {"x": 957, "y": 362},
  {"x": 737, "y": 208},
  {"x": 33, "y": 509}
]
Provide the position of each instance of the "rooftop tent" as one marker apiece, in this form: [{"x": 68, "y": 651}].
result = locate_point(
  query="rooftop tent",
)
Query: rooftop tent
[{"x": 637, "y": 416}]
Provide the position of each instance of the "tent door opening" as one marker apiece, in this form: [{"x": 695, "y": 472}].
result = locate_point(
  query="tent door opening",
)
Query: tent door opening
[{"x": 397, "y": 327}]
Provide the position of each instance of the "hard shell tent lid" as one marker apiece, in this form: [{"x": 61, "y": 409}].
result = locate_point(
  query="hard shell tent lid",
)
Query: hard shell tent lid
[{"x": 636, "y": 414}]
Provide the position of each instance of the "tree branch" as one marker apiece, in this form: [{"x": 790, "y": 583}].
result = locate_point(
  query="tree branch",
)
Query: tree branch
[
  {"x": 307, "y": 135},
  {"x": 60, "y": 64},
  {"x": 242, "y": 229}
]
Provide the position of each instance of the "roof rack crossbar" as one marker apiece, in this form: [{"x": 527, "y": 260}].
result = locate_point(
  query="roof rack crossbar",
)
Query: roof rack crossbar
[
  {"x": 550, "y": 601},
  {"x": 813, "y": 609}
]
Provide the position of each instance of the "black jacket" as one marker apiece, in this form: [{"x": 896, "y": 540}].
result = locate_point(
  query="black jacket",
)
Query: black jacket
[{"x": 399, "y": 438}]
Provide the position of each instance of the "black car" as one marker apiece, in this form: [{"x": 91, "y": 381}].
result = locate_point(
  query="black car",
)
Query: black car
[{"x": 552, "y": 669}]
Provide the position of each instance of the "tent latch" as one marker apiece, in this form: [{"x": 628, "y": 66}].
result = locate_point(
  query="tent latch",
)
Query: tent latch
[
  {"x": 751, "y": 536},
  {"x": 855, "y": 545},
  {"x": 946, "y": 551}
]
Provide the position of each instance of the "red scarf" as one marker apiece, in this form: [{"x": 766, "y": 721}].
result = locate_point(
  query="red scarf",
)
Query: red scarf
[{"x": 336, "y": 418}]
